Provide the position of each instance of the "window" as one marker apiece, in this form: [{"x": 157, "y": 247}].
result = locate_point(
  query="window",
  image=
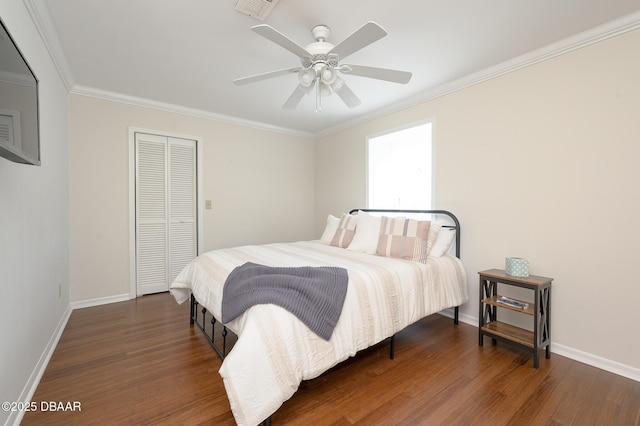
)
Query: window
[{"x": 400, "y": 169}]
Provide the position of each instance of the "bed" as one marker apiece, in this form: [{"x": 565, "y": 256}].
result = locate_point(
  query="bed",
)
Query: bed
[{"x": 391, "y": 284}]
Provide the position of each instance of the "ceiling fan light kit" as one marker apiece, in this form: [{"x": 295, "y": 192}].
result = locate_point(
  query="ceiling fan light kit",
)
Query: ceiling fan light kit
[
  {"x": 307, "y": 76},
  {"x": 320, "y": 64}
]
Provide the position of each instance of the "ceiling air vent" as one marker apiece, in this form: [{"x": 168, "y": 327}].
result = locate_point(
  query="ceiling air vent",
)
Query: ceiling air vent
[{"x": 258, "y": 9}]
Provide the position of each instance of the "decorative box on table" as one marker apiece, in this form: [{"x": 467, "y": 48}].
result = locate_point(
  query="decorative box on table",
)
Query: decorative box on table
[{"x": 517, "y": 267}]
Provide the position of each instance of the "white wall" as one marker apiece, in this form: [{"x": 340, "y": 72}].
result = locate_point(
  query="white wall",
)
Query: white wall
[
  {"x": 541, "y": 163},
  {"x": 34, "y": 249},
  {"x": 261, "y": 185}
]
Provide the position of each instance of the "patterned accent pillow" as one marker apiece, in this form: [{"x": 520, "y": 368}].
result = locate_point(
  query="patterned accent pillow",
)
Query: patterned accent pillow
[
  {"x": 404, "y": 238},
  {"x": 346, "y": 228}
]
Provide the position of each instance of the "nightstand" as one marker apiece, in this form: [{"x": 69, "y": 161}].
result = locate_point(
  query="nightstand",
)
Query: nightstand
[{"x": 539, "y": 310}]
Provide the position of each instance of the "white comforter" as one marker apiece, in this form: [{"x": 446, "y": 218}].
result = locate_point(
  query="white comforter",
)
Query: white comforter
[{"x": 275, "y": 351}]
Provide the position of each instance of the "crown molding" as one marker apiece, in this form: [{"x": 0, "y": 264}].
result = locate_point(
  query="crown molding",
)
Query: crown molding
[
  {"x": 595, "y": 35},
  {"x": 41, "y": 17},
  {"x": 178, "y": 109}
]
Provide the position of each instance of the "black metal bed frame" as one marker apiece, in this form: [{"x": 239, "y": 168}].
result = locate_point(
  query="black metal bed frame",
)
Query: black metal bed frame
[
  {"x": 201, "y": 323},
  {"x": 198, "y": 314}
]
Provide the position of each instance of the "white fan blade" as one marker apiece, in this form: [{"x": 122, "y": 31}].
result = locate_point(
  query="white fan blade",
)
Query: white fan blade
[
  {"x": 363, "y": 37},
  {"x": 394, "y": 76},
  {"x": 280, "y": 39},
  {"x": 295, "y": 97},
  {"x": 348, "y": 97},
  {"x": 264, "y": 76}
]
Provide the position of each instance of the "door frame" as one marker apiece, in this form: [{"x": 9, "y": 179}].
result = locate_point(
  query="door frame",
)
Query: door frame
[{"x": 133, "y": 291}]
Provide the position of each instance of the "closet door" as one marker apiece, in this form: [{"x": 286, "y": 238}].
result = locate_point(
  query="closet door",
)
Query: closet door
[
  {"x": 166, "y": 235},
  {"x": 182, "y": 205}
]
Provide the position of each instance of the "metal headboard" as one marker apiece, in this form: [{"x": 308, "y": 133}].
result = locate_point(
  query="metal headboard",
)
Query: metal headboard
[{"x": 455, "y": 220}]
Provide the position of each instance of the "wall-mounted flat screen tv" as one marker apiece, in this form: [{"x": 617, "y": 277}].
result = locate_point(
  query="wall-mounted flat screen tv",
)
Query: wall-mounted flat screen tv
[{"x": 19, "y": 122}]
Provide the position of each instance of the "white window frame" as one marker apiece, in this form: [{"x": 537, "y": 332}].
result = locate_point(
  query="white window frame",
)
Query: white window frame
[{"x": 429, "y": 121}]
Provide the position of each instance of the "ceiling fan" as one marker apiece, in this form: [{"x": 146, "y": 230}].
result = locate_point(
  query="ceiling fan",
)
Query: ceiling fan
[{"x": 320, "y": 64}]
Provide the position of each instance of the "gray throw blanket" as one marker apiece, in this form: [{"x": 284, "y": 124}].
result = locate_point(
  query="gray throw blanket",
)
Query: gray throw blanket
[{"x": 314, "y": 294}]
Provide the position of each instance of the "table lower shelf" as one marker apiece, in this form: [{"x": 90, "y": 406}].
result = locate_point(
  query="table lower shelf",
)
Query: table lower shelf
[{"x": 510, "y": 332}]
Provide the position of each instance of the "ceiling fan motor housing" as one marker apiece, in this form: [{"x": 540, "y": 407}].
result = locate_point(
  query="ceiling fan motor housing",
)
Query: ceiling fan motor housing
[
  {"x": 320, "y": 64},
  {"x": 319, "y": 50}
]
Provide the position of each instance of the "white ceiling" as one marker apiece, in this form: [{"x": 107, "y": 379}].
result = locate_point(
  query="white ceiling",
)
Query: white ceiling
[{"x": 184, "y": 54}]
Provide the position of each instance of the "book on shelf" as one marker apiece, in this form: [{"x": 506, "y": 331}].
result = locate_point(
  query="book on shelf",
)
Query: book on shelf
[{"x": 512, "y": 303}]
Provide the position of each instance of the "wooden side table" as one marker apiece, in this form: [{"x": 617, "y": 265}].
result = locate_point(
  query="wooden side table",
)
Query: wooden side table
[{"x": 539, "y": 310}]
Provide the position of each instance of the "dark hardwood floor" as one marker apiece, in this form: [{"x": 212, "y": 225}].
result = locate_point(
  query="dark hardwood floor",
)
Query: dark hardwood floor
[{"x": 139, "y": 362}]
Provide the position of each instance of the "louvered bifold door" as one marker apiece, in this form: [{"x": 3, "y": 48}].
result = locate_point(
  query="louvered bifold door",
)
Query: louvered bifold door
[
  {"x": 182, "y": 204},
  {"x": 152, "y": 252},
  {"x": 166, "y": 199}
]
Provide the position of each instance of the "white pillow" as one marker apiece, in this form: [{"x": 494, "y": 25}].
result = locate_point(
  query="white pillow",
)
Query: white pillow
[
  {"x": 367, "y": 233},
  {"x": 434, "y": 231},
  {"x": 330, "y": 229},
  {"x": 443, "y": 242}
]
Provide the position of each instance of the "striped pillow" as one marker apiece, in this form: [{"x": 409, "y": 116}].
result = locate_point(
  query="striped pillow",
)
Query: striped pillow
[
  {"x": 346, "y": 229},
  {"x": 404, "y": 238}
]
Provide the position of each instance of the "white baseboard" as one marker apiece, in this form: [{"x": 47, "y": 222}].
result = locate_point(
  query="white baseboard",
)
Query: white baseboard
[
  {"x": 467, "y": 319},
  {"x": 34, "y": 380},
  {"x": 100, "y": 301},
  {"x": 574, "y": 354},
  {"x": 596, "y": 361}
]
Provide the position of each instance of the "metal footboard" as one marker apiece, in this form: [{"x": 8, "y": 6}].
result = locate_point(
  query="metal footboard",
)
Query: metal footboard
[{"x": 207, "y": 323}]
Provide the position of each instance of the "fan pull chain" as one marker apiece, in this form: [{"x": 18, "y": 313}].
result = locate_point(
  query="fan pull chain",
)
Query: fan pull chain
[{"x": 318, "y": 96}]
